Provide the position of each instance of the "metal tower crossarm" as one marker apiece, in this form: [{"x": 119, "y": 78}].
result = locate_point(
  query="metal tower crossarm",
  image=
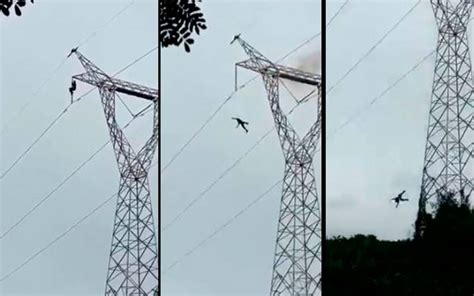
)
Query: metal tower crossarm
[
  {"x": 449, "y": 156},
  {"x": 96, "y": 77},
  {"x": 133, "y": 263},
  {"x": 297, "y": 261},
  {"x": 260, "y": 64}
]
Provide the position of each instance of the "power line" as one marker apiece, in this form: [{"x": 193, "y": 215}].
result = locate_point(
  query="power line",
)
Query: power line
[
  {"x": 59, "y": 237},
  {"x": 67, "y": 179},
  {"x": 38, "y": 90},
  {"x": 219, "y": 108},
  {"x": 250, "y": 205},
  {"x": 22, "y": 155},
  {"x": 221, "y": 228},
  {"x": 230, "y": 168},
  {"x": 351, "y": 69},
  {"x": 382, "y": 94},
  {"x": 115, "y": 16},
  {"x": 48, "y": 79},
  {"x": 61, "y": 114},
  {"x": 225, "y": 225},
  {"x": 337, "y": 13},
  {"x": 195, "y": 200}
]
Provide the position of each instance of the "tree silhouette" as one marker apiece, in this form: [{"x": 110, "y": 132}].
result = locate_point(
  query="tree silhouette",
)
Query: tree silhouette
[
  {"x": 6, "y": 5},
  {"x": 178, "y": 20}
]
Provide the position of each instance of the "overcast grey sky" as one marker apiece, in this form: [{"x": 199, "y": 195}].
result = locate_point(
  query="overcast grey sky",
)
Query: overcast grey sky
[
  {"x": 31, "y": 47},
  {"x": 238, "y": 261}
]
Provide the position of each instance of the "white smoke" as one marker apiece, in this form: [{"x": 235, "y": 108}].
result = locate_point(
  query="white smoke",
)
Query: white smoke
[{"x": 310, "y": 62}]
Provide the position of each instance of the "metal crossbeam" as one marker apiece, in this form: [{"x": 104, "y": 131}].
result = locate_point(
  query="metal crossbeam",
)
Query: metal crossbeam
[
  {"x": 297, "y": 261},
  {"x": 133, "y": 262},
  {"x": 282, "y": 72}
]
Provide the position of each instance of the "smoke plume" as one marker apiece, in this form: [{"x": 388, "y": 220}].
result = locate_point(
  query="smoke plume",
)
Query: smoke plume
[{"x": 310, "y": 62}]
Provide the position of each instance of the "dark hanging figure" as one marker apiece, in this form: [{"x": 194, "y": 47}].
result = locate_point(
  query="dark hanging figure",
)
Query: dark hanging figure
[
  {"x": 399, "y": 198},
  {"x": 241, "y": 123},
  {"x": 72, "y": 88}
]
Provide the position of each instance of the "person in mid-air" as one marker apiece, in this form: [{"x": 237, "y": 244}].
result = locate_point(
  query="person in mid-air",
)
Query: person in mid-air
[
  {"x": 72, "y": 88},
  {"x": 399, "y": 198},
  {"x": 241, "y": 123}
]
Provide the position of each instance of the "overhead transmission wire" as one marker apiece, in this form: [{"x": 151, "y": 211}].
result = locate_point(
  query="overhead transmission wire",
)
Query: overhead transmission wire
[
  {"x": 352, "y": 118},
  {"x": 139, "y": 114},
  {"x": 223, "y": 226},
  {"x": 222, "y": 175},
  {"x": 59, "y": 66},
  {"x": 371, "y": 49},
  {"x": 233, "y": 93},
  {"x": 62, "y": 235},
  {"x": 88, "y": 215},
  {"x": 230, "y": 168},
  {"x": 219, "y": 108},
  {"x": 266, "y": 192},
  {"x": 61, "y": 114},
  {"x": 242, "y": 211},
  {"x": 225, "y": 172}
]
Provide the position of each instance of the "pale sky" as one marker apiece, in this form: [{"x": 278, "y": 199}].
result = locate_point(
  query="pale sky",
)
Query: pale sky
[{"x": 31, "y": 47}]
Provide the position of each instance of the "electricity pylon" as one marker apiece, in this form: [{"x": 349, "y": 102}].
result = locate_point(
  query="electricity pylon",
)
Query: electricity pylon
[
  {"x": 133, "y": 263},
  {"x": 449, "y": 162},
  {"x": 297, "y": 261}
]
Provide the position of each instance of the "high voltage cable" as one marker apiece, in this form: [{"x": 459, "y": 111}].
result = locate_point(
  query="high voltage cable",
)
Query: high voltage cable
[
  {"x": 69, "y": 177},
  {"x": 382, "y": 94},
  {"x": 107, "y": 23},
  {"x": 266, "y": 134},
  {"x": 34, "y": 143},
  {"x": 351, "y": 69},
  {"x": 337, "y": 13},
  {"x": 227, "y": 170},
  {"x": 235, "y": 217},
  {"x": 24, "y": 106},
  {"x": 59, "y": 237},
  {"x": 219, "y": 108},
  {"x": 251, "y": 204},
  {"x": 222, "y": 227},
  {"x": 61, "y": 114}
]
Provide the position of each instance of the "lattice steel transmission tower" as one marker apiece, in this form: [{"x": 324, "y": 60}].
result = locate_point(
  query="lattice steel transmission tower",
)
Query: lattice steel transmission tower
[
  {"x": 449, "y": 162},
  {"x": 133, "y": 263},
  {"x": 297, "y": 261}
]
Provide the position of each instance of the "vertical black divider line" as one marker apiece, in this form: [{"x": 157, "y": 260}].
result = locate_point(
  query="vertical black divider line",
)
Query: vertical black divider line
[
  {"x": 159, "y": 153},
  {"x": 323, "y": 144}
]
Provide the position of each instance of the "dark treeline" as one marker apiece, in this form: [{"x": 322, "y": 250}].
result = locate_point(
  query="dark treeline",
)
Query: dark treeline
[{"x": 439, "y": 263}]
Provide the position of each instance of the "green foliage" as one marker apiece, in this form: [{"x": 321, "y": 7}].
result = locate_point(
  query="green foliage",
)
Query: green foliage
[{"x": 440, "y": 263}]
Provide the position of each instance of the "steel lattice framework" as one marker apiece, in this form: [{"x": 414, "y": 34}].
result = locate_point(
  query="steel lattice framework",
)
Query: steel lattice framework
[
  {"x": 133, "y": 263},
  {"x": 449, "y": 163},
  {"x": 297, "y": 261}
]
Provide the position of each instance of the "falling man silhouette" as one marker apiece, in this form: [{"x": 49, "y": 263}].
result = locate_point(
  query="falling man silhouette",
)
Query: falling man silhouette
[
  {"x": 399, "y": 198},
  {"x": 241, "y": 123}
]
